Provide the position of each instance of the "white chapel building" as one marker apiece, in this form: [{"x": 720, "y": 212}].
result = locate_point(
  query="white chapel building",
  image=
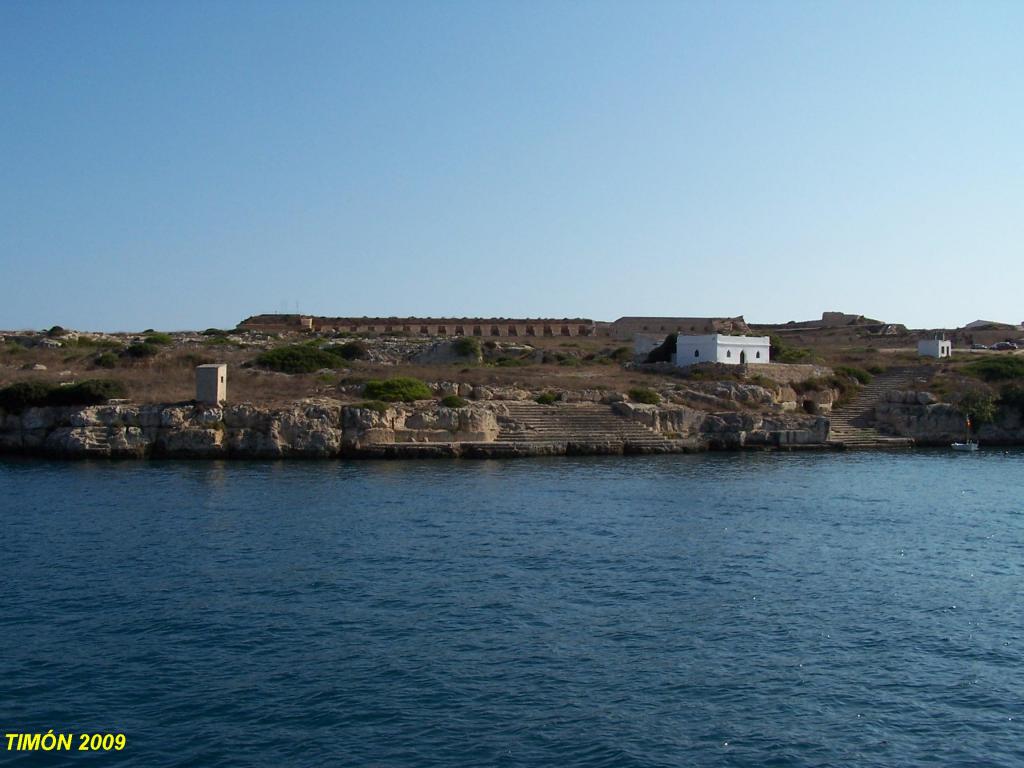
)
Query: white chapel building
[{"x": 717, "y": 348}]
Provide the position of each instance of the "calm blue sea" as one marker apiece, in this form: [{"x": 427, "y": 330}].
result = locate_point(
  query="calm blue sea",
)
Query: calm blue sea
[{"x": 712, "y": 610}]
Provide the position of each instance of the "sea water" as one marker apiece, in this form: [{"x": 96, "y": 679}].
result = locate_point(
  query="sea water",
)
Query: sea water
[{"x": 711, "y": 610}]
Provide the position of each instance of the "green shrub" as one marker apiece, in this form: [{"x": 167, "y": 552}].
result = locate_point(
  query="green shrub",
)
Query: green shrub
[
  {"x": 25, "y": 394},
  {"x": 979, "y": 406},
  {"x": 622, "y": 354},
  {"x": 644, "y": 395},
  {"x": 375, "y": 405},
  {"x": 400, "y": 389},
  {"x": 162, "y": 339},
  {"x": 89, "y": 392},
  {"x": 213, "y": 341},
  {"x": 997, "y": 368},
  {"x": 510, "y": 362},
  {"x": 30, "y": 394},
  {"x": 106, "y": 360},
  {"x": 808, "y": 385},
  {"x": 876, "y": 370},
  {"x": 547, "y": 398},
  {"x": 85, "y": 342},
  {"x": 142, "y": 350},
  {"x": 664, "y": 351},
  {"x": 1012, "y": 396},
  {"x": 353, "y": 350},
  {"x": 215, "y": 332},
  {"x": 297, "y": 358},
  {"x": 56, "y": 331},
  {"x": 853, "y": 372},
  {"x": 781, "y": 352},
  {"x": 467, "y": 346},
  {"x": 454, "y": 401}
]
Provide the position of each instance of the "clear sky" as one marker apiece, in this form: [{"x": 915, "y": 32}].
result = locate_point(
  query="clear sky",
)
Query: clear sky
[{"x": 186, "y": 164}]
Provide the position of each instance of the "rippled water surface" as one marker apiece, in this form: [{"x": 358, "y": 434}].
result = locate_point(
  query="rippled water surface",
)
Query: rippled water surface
[{"x": 800, "y": 610}]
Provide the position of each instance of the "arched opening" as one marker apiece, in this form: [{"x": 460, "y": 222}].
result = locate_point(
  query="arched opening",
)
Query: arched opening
[
  {"x": 696, "y": 353},
  {"x": 757, "y": 354},
  {"x": 743, "y": 356}
]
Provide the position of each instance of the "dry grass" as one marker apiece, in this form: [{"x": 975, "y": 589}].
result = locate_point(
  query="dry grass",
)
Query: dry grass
[{"x": 169, "y": 377}]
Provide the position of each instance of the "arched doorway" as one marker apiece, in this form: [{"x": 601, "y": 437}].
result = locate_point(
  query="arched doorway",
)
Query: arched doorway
[{"x": 743, "y": 357}]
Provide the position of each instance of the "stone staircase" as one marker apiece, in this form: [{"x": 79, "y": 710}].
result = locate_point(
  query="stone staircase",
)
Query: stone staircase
[
  {"x": 849, "y": 424},
  {"x": 575, "y": 428}
]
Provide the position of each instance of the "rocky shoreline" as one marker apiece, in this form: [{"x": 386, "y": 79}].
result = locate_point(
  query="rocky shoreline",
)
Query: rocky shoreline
[
  {"x": 581, "y": 423},
  {"x": 325, "y": 428}
]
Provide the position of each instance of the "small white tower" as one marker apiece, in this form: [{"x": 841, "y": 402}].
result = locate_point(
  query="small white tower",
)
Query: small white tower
[{"x": 212, "y": 383}]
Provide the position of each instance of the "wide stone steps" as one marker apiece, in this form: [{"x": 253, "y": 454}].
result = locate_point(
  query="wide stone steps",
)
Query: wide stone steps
[
  {"x": 848, "y": 425},
  {"x": 532, "y": 423}
]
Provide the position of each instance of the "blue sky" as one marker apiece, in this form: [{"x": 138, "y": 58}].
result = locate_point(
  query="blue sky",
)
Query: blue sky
[{"x": 185, "y": 164}]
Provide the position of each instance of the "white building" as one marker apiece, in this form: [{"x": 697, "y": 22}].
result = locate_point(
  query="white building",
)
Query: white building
[
  {"x": 934, "y": 348},
  {"x": 716, "y": 348},
  {"x": 212, "y": 383}
]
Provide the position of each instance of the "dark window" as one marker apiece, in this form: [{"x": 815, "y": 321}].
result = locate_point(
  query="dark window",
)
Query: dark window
[
  {"x": 696, "y": 353},
  {"x": 728, "y": 353},
  {"x": 757, "y": 354}
]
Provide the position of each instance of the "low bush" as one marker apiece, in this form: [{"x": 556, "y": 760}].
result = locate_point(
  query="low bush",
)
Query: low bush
[
  {"x": 215, "y": 332},
  {"x": 876, "y": 370},
  {"x": 997, "y": 368},
  {"x": 25, "y": 394},
  {"x": 142, "y": 350},
  {"x": 400, "y": 389},
  {"x": 979, "y": 407},
  {"x": 781, "y": 352},
  {"x": 644, "y": 395},
  {"x": 88, "y": 392},
  {"x": 297, "y": 358},
  {"x": 1012, "y": 396},
  {"x": 510, "y": 362},
  {"x": 353, "y": 350},
  {"x": 86, "y": 342},
  {"x": 547, "y": 398},
  {"x": 853, "y": 372},
  {"x": 808, "y": 385},
  {"x": 31, "y": 394},
  {"x": 467, "y": 346},
  {"x": 454, "y": 401},
  {"x": 374, "y": 405},
  {"x": 56, "y": 331},
  {"x": 106, "y": 360},
  {"x": 162, "y": 339}
]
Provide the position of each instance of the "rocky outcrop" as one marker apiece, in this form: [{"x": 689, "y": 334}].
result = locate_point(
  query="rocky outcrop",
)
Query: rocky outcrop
[
  {"x": 321, "y": 428},
  {"x": 310, "y": 428},
  {"x": 731, "y": 429},
  {"x": 920, "y": 416}
]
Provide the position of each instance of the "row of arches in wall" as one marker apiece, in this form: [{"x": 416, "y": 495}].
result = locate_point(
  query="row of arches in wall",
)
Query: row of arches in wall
[{"x": 476, "y": 330}]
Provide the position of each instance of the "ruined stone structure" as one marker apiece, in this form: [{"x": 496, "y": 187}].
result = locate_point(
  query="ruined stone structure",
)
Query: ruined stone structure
[
  {"x": 625, "y": 328},
  {"x": 424, "y": 326}
]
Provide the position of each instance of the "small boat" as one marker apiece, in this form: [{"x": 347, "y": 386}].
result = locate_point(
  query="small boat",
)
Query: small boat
[
  {"x": 970, "y": 445},
  {"x": 967, "y": 444}
]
